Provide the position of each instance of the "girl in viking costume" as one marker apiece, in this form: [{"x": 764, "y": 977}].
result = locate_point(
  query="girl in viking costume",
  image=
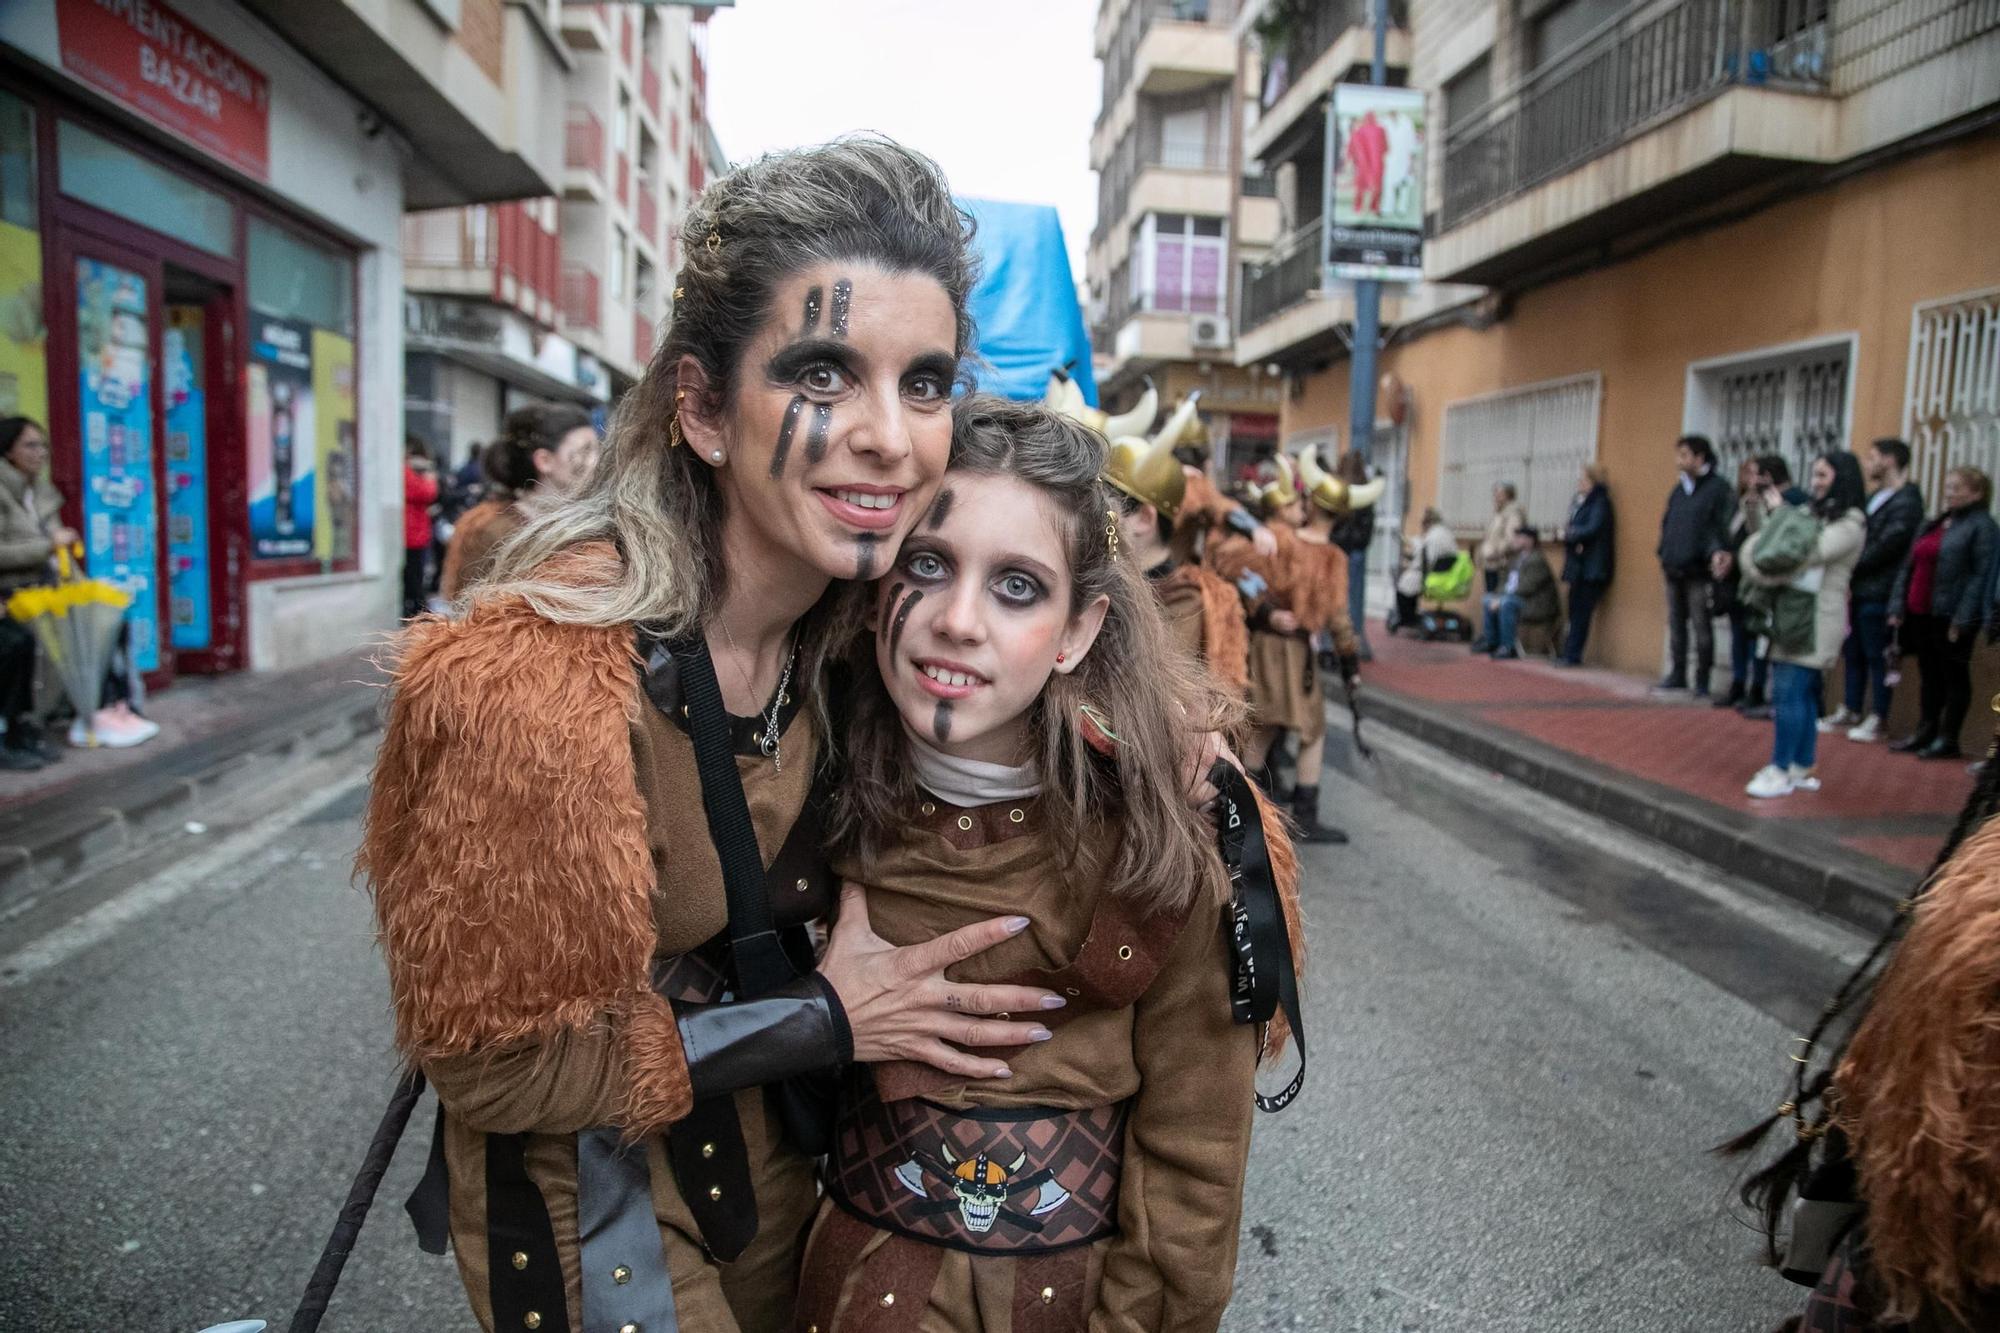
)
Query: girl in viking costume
[
  {"x": 594, "y": 834},
  {"x": 1305, "y": 593},
  {"x": 1013, "y": 750}
]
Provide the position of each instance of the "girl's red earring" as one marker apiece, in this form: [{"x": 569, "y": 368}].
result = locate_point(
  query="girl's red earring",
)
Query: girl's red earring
[{"x": 1061, "y": 658}]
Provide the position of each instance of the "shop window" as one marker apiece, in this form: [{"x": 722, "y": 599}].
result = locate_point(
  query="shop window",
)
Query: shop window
[
  {"x": 24, "y": 377},
  {"x": 303, "y": 449},
  {"x": 100, "y": 173},
  {"x": 1951, "y": 403},
  {"x": 1536, "y": 437}
]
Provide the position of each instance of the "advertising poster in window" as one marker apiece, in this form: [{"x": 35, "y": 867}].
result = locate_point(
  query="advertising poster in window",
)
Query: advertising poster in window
[
  {"x": 119, "y": 536},
  {"x": 337, "y": 501},
  {"x": 24, "y": 385},
  {"x": 1378, "y": 193},
  {"x": 283, "y": 452},
  {"x": 188, "y": 612}
]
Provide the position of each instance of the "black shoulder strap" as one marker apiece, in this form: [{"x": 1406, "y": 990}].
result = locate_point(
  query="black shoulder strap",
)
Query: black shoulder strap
[
  {"x": 756, "y": 950},
  {"x": 1265, "y": 979}
]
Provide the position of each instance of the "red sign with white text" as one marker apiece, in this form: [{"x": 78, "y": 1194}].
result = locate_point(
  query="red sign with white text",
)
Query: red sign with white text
[{"x": 148, "y": 57}]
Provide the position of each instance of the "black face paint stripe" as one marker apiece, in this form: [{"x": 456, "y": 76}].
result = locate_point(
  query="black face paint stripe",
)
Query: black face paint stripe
[
  {"x": 895, "y": 591},
  {"x": 941, "y": 724},
  {"x": 939, "y": 508},
  {"x": 843, "y": 301},
  {"x": 816, "y": 434},
  {"x": 903, "y": 614},
  {"x": 792, "y": 410},
  {"x": 864, "y": 556},
  {"x": 812, "y": 311}
]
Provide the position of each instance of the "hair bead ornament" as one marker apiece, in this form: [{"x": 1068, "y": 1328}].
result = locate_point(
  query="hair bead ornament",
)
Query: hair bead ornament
[
  {"x": 1111, "y": 531},
  {"x": 1096, "y": 729}
]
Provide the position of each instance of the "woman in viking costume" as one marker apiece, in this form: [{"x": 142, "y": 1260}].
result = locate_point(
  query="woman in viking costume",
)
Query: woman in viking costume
[
  {"x": 594, "y": 835},
  {"x": 1305, "y": 594},
  {"x": 1892, "y": 1174},
  {"x": 1013, "y": 748}
]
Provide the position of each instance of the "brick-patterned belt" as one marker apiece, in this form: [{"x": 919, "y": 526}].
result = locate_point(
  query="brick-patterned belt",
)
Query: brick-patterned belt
[{"x": 1013, "y": 1181}]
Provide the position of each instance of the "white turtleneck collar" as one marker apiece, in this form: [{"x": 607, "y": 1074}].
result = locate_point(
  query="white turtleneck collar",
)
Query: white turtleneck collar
[{"x": 969, "y": 782}]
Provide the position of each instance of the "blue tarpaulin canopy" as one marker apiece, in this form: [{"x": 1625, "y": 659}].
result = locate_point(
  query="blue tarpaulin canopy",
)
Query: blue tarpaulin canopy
[{"x": 1029, "y": 322}]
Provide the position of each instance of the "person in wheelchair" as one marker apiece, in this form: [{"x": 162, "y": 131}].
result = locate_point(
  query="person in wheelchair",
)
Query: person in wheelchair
[{"x": 1434, "y": 568}]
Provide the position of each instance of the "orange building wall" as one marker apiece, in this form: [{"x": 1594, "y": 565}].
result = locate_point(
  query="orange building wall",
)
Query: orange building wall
[{"x": 1850, "y": 259}]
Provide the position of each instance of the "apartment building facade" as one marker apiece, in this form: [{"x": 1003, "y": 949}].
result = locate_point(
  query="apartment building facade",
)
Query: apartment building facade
[
  {"x": 201, "y": 282},
  {"x": 1768, "y": 221},
  {"x": 560, "y": 297},
  {"x": 1167, "y": 151}
]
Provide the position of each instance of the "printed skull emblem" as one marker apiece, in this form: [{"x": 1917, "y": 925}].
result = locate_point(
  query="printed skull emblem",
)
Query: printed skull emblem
[
  {"x": 981, "y": 1189},
  {"x": 981, "y": 1186}
]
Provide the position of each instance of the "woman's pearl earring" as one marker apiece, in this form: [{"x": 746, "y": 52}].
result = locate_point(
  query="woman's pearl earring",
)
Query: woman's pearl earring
[{"x": 715, "y": 455}]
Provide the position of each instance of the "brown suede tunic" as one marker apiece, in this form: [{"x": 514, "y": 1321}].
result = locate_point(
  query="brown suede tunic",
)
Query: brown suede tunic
[
  {"x": 553, "y": 1087},
  {"x": 1176, "y": 1053}
]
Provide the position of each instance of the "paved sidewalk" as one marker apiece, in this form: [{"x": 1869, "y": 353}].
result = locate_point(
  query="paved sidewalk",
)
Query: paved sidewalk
[{"x": 1674, "y": 767}]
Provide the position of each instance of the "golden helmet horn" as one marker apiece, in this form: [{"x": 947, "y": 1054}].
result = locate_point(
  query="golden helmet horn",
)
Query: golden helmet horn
[
  {"x": 1281, "y": 490},
  {"x": 1137, "y": 421},
  {"x": 1146, "y": 469},
  {"x": 1065, "y": 395},
  {"x": 1334, "y": 494}
]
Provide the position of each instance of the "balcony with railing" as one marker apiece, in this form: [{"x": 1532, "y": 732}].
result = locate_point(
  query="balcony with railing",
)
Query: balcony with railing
[
  {"x": 583, "y": 153},
  {"x": 1168, "y": 46},
  {"x": 648, "y": 211},
  {"x": 649, "y": 85},
  {"x": 582, "y": 299},
  {"x": 1290, "y": 275},
  {"x": 1308, "y": 46}
]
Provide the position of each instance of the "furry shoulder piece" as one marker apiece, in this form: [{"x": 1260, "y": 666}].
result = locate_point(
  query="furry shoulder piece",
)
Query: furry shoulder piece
[
  {"x": 1918, "y": 1094},
  {"x": 506, "y": 844},
  {"x": 1225, "y": 638}
]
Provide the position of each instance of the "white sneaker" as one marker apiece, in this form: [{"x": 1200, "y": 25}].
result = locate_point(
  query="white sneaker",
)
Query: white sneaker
[
  {"x": 1838, "y": 720},
  {"x": 1869, "y": 731},
  {"x": 79, "y": 735},
  {"x": 1803, "y": 779},
  {"x": 1770, "y": 781},
  {"x": 119, "y": 730}
]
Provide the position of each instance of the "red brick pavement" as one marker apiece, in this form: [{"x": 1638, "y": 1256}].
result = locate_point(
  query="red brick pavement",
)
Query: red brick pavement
[{"x": 1889, "y": 807}]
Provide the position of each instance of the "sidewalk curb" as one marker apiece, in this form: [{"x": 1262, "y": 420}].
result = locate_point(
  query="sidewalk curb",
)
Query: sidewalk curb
[
  {"x": 1859, "y": 895},
  {"x": 47, "y": 843}
]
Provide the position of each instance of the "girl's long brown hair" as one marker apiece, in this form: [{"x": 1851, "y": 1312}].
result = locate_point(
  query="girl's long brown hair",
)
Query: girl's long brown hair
[{"x": 1154, "y": 698}]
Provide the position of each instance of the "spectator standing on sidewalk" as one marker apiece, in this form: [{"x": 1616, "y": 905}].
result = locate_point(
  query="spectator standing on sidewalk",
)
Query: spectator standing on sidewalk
[
  {"x": 1749, "y": 670},
  {"x": 543, "y": 448},
  {"x": 420, "y": 492},
  {"x": 1939, "y": 601},
  {"x": 1895, "y": 512},
  {"x": 1798, "y": 663},
  {"x": 1352, "y": 532},
  {"x": 1588, "y": 539},
  {"x": 1496, "y": 548},
  {"x": 1694, "y": 528},
  {"x": 1526, "y": 595}
]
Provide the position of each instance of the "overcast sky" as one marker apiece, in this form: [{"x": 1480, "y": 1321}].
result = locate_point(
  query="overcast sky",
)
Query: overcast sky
[{"x": 1003, "y": 93}]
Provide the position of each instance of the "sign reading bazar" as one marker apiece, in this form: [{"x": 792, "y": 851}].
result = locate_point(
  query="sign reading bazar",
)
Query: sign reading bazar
[{"x": 145, "y": 55}]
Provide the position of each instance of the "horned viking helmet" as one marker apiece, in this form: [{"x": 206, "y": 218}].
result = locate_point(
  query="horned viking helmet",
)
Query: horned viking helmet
[{"x": 1334, "y": 494}]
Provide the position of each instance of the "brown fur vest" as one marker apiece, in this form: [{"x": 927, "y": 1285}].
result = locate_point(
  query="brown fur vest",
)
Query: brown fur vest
[{"x": 506, "y": 844}]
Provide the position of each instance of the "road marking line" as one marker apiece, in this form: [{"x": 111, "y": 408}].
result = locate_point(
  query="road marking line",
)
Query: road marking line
[{"x": 176, "y": 881}]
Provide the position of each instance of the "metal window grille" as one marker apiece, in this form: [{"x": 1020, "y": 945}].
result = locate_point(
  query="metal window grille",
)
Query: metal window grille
[
  {"x": 1537, "y": 437},
  {"x": 1951, "y": 398},
  {"x": 1794, "y": 407}
]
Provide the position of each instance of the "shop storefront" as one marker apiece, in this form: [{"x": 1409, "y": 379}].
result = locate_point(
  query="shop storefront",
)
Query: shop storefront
[{"x": 191, "y": 246}]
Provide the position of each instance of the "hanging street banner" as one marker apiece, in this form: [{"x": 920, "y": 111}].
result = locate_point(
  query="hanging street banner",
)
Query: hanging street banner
[{"x": 1378, "y": 193}]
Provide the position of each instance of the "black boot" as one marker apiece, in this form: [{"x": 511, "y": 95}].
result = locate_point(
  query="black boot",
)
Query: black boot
[
  {"x": 1922, "y": 739},
  {"x": 1305, "y": 816},
  {"x": 1734, "y": 697}
]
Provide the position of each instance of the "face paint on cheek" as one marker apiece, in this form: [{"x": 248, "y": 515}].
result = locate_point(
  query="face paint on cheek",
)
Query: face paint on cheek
[
  {"x": 778, "y": 455},
  {"x": 816, "y": 434},
  {"x": 843, "y": 302},
  {"x": 865, "y": 552},
  {"x": 940, "y": 507},
  {"x": 903, "y": 614},
  {"x": 889, "y": 603},
  {"x": 941, "y": 724},
  {"x": 812, "y": 311}
]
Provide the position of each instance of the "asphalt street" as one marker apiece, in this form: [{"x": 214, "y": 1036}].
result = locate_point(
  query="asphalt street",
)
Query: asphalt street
[{"x": 1526, "y": 1031}]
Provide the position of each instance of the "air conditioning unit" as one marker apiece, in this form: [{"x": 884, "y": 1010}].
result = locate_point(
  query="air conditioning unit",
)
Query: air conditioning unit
[{"x": 1208, "y": 331}]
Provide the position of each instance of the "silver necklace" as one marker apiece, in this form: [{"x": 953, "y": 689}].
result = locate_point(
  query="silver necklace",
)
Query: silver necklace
[{"x": 768, "y": 742}]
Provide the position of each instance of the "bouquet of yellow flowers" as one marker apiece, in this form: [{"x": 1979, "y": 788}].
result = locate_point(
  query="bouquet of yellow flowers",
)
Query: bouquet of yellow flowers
[{"x": 76, "y": 622}]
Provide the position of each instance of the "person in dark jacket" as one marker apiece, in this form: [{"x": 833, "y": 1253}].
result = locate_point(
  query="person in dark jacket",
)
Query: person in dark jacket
[
  {"x": 1588, "y": 539},
  {"x": 1939, "y": 603},
  {"x": 1895, "y": 512},
  {"x": 1695, "y": 527},
  {"x": 1525, "y": 595},
  {"x": 1353, "y": 532}
]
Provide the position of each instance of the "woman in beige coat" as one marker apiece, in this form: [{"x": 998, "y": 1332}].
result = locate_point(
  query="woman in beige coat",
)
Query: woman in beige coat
[{"x": 1797, "y": 674}]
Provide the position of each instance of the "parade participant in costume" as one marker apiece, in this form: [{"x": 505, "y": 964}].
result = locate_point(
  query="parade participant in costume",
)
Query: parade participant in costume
[
  {"x": 1305, "y": 593},
  {"x": 1013, "y": 749},
  {"x": 1204, "y": 612},
  {"x": 594, "y": 834},
  {"x": 544, "y": 447},
  {"x": 1891, "y": 1182}
]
